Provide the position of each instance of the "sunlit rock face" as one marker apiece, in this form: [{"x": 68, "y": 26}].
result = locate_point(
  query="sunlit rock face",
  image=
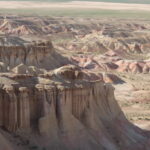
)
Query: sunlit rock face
[
  {"x": 58, "y": 105},
  {"x": 111, "y": 61},
  {"x": 21, "y": 56},
  {"x": 67, "y": 110}
]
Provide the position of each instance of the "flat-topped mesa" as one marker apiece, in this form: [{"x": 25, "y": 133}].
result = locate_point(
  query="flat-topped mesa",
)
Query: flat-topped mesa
[
  {"x": 38, "y": 54},
  {"x": 24, "y": 99},
  {"x": 29, "y": 54},
  {"x": 63, "y": 106}
]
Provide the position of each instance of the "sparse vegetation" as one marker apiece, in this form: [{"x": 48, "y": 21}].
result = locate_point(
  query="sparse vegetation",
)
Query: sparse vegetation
[{"x": 78, "y": 13}]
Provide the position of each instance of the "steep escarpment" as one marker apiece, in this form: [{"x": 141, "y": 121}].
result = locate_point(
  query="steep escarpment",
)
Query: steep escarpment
[
  {"x": 23, "y": 57},
  {"x": 47, "y": 103},
  {"x": 67, "y": 111}
]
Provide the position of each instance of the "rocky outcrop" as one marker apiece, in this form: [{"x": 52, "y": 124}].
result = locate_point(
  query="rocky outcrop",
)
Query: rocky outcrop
[
  {"x": 83, "y": 34},
  {"x": 134, "y": 66},
  {"x": 112, "y": 63},
  {"x": 63, "y": 107},
  {"x": 19, "y": 27},
  {"x": 26, "y": 58},
  {"x": 112, "y": 78},
  {"x": 78, "y": 114}
]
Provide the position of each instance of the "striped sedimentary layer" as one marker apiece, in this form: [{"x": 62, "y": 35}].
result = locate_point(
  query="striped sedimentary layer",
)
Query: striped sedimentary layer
[{"x": 68, "y": 111}]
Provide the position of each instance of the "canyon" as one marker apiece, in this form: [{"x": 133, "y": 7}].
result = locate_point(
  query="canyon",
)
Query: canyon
[{"x": 59, "y": 78}]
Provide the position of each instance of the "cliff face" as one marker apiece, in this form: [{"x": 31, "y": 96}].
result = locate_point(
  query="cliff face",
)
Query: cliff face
[
  {"x": 58, "y": 108},
  {"x": 67, "y": 111},
  {"x": 25, "y": 58}
]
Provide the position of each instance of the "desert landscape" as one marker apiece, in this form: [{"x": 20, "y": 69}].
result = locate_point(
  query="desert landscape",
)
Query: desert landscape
[{"x": 74, "y": 80}]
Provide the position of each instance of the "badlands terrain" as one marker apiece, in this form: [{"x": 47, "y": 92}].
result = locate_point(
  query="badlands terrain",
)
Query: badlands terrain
[
  {"x": 56, "y": 83},
  {"x": 79, "y": 83}
]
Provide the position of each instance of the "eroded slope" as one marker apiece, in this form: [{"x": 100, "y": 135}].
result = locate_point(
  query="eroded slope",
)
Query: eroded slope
[{"x": 49, "y": 101}]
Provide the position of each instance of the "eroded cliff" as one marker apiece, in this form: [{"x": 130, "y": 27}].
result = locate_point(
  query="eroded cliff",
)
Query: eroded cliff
[
  {"x": 66, "y": 112},
  {"x": 47, "y": 103},
  {"x": 26, "y": 58}
]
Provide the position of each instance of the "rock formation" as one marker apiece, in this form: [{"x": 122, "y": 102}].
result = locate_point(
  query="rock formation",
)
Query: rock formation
[
  {"x": 57, "y": 105},
  {"x": 112, "y": 63},
  {"x": 70, "y": 112},
  {"x": 26, "y": 57}
]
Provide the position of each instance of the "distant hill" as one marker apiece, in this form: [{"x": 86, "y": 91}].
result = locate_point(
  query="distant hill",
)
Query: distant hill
[
  {"x": 124, "y": 1},
  {"x": 113, "y": 1}
]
